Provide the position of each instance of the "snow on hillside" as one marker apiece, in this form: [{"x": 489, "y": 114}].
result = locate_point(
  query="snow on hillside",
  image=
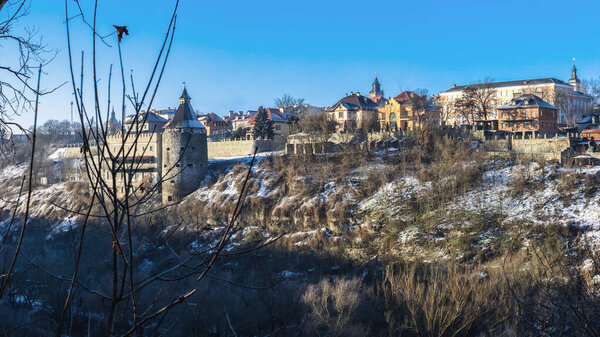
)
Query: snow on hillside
[
  {"x": 58, "y": 154},
  {"x": 542, "y": 203}
]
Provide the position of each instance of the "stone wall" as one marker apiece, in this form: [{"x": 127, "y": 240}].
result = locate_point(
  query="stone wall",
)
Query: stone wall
[
  {"x": 184, "y": 163},
  {"x": 550, "y": 147},
  {"x": 541, "y": 145},
  {"x": 241, "y": 148}
]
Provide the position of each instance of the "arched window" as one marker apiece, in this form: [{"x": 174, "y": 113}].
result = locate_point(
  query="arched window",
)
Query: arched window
[{"x": 392, "y": 116}]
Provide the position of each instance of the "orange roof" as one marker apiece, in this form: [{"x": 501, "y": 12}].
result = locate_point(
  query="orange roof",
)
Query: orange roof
[{"x": 272, "y": 114}]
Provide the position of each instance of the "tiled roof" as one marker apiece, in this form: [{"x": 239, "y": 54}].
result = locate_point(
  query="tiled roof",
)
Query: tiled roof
[
  {"x": 152, "y": 118},
  {"x": 210, "y": 117},
  {"x": 273, "y": 115},
  {"x": 356, "y": 102},
  {"x": 526, "y": 101},
  {"x": 548, "y": 80}
]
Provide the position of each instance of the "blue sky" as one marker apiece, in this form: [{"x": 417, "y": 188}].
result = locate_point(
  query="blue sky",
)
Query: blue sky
[{"x": 240, "y": 54}]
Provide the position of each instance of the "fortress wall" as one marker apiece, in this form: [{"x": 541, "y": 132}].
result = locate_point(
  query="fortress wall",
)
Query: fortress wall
[{"x": 241, "y": 148}]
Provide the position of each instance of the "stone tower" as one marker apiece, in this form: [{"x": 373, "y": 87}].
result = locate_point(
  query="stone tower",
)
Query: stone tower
[
  {"x": 574, "y": 81},
  {"x": 184, "y": 153},
  {"x": 376, "y": 91}
]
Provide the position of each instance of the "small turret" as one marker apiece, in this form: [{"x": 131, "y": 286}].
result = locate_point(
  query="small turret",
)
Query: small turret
[{"x": 574, "y": 81}]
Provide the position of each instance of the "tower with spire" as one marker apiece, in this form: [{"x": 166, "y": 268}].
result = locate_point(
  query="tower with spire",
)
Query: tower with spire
[
  {"x": 376, "y": 91},
  {"x": 574, "y": 81},
  {"x": 184, "y": 153},
  {"x": 112, "y": 125}
]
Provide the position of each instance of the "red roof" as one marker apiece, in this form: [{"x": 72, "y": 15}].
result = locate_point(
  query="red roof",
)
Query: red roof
[
  {"x": 378, "y": 99},
  {"x": 272, "y": 114}
]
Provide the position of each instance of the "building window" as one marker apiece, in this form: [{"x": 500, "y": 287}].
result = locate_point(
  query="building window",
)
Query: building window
[
  {"x": 181, "y": 149},
  {"x": 150, "y": 147},
  {"x": 190, "y": 165},
  {"x": 172, "y": 181},
  {"x": 168, "y": 149},
  {"x": 341, "y": 114},
  {"x": 170, "y": 198},
  {"x": 177, "y": 165}
]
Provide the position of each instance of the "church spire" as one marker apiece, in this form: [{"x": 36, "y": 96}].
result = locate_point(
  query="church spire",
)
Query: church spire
[
  {"x": 574, "y": 81},
  {"x": 376, "y": 91}
]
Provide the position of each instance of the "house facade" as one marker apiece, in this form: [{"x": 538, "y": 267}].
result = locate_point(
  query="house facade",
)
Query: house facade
[
  {"x": 527, "y": 113},
  {"x": 281, "y": 127},
  {"x": 215, "y": 126},
  {"x": 407, "y": 111},
  {"x": 566, "y": 97},
  {"x": 352, "y": 111}
]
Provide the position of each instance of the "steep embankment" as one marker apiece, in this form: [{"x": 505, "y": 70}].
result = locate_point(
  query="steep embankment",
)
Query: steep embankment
[{"x": 370, "y": 208}]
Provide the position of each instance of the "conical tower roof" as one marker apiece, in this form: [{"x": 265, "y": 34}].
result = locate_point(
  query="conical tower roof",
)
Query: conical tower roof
[
  {"x": 185, "y": 118},
  {"x": 185, "y": 95}
]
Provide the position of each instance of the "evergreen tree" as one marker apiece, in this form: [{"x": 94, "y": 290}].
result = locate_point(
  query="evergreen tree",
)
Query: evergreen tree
[{"x": 263, "y": 126}]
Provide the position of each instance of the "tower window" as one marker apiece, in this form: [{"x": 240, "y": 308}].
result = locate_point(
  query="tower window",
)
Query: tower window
[
  {"x": 172, "y": 181},
  {"x": 170, "y": 198},
  {"x": 190, "y": 165},
  {"x": 182, "y": 148},
  {"x": 178, "y": 165},
  {"x": 168, "y": 149},
  {"x": 193, "y": 147}
]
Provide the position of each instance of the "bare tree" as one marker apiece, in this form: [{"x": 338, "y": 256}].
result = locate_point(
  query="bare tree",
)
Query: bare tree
[
  {"x": 478, "y": 99},
  {"x": 121, "y": 201},
  {"x": 287, "y": 101},
  {"x": 17, "y": 94},
  {"x": 466, "y": 107},
  {"x": 592, "y": 87}
]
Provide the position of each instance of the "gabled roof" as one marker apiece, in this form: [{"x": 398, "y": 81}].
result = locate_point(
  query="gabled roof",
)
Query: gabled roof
[
  {"x": 411, "y": 97},
  {"x": 272, "y": 114},
  {"x": 548, "y": 80},
  {"x": 379, "y": 100},
  {"x": 355, "y": 102},
  {"x": 210, "y": 117},
  {"x": 406, "y": 97},
  {"x": 152, "y": 118},
  {"x": 526, "y": 101}
]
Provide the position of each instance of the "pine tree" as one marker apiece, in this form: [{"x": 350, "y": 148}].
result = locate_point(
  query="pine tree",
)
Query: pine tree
[{"x": 263, "y": 126}]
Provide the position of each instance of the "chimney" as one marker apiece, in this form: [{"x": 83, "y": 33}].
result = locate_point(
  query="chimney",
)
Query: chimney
[
  {"x": 454, "y": 86},
  {"x": 358, "y": 93}
]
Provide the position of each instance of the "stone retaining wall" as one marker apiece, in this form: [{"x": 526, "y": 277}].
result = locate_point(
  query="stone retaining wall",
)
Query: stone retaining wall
[{"x": 240, "y": 148}]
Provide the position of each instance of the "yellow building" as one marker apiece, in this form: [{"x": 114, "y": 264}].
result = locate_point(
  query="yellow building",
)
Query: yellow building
[{"x": 407, "y": 111}]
